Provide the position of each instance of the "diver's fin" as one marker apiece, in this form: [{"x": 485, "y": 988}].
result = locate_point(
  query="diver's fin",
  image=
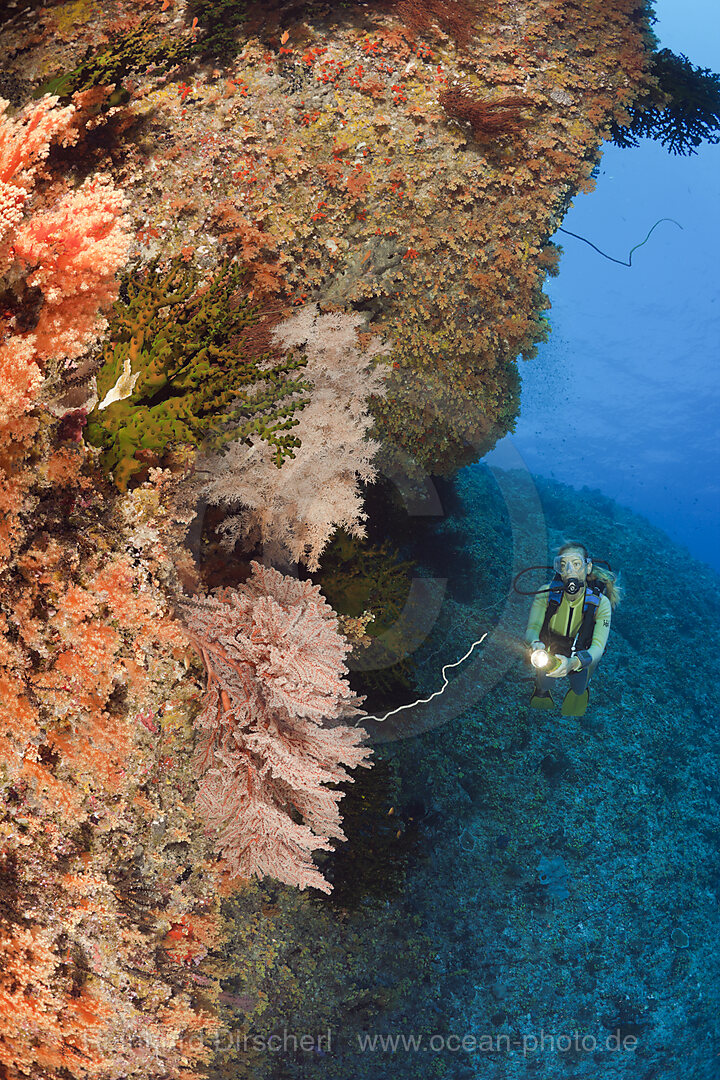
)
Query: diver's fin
[
  {"x": 542, "y": 700},
  {"x": 575, "y": 704}
]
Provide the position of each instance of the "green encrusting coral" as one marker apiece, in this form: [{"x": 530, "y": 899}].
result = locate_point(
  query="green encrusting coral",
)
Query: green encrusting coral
[
  {"x": 133, "y": 51},
  {"x": 356, "y": 577},
  {"x": 188, "y": 366},
  {"x": 218, "y": 23}
]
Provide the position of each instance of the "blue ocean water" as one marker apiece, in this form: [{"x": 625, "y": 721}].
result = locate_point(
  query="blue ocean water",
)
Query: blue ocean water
[
  {"x": 573, "y": 886},
  {"x": 625, "y": 396}
]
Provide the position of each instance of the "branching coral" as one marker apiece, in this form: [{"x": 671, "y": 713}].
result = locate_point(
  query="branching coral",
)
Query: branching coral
[
  {"x": 144, "y": 46},
  {"x": 459, "y": 17},
  {"x": 136, "y": 49},
  {"x": 681, "y": 113},
  {"x": 220, "y": 22},
  {"x": 490, "y": 120},
  {"x": 368, "y": 585},
  {"x": 355, "y": 576}
]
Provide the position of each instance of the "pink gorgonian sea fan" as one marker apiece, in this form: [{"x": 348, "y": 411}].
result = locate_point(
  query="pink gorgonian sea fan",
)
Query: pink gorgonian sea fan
[{"x": 271, "y": 731}]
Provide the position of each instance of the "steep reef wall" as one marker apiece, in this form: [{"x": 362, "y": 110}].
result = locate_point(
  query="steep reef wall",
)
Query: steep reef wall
[{"x": 179, "y": 185}]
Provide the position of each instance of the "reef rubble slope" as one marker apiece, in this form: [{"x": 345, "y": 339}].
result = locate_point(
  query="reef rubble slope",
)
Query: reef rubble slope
[{"x": 573, "y": 884}]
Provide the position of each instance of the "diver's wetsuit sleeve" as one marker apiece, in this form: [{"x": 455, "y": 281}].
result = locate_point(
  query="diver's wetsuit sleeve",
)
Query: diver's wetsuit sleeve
[
  {"x": 537, "y": 616},
  {"x": 602, "y": 629}
]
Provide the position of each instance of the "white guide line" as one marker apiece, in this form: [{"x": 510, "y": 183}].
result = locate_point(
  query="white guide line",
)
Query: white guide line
[{"x": 423, "y": 701}]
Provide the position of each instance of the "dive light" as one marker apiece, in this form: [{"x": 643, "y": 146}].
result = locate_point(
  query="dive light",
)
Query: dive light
[{"x": 541, "y": 658}]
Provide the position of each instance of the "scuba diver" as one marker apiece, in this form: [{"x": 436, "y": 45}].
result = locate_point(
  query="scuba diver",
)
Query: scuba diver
[{"x": 568, "y": 627}]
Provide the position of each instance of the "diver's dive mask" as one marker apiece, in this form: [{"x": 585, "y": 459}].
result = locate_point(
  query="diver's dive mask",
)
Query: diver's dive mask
[{"x": 569, "y": 566}]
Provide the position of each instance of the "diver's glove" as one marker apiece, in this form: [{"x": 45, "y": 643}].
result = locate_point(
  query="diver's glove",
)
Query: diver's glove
[{"x": 562, "y": 668}]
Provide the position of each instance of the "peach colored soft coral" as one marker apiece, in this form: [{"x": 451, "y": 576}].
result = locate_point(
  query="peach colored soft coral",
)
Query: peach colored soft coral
[{"x": 73, "y": 251}]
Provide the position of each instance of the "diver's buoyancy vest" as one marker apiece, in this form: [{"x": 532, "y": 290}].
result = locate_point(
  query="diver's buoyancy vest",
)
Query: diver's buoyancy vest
[{"x": 563, "y": 643}]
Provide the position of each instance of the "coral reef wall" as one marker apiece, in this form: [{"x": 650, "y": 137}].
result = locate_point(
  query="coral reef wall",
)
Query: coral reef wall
[
  {"x": 375, "y": 157},
  {"x": 388, "y": 174}
]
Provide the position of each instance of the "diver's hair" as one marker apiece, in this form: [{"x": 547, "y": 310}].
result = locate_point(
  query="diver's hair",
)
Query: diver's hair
[{"x": 608, "y": 579}]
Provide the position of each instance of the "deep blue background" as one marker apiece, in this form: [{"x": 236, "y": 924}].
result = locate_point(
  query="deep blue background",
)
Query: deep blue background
[{"x": 625, "y": 396}]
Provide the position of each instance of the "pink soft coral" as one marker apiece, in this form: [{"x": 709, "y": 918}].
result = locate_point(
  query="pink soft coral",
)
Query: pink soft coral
[
  {"x": 66, "y": 247},
  {"x": 271, "y": 730}
]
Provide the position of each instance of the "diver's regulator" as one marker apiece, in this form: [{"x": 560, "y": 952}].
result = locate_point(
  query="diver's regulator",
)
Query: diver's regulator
[{"x": 572, "y": 585}]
